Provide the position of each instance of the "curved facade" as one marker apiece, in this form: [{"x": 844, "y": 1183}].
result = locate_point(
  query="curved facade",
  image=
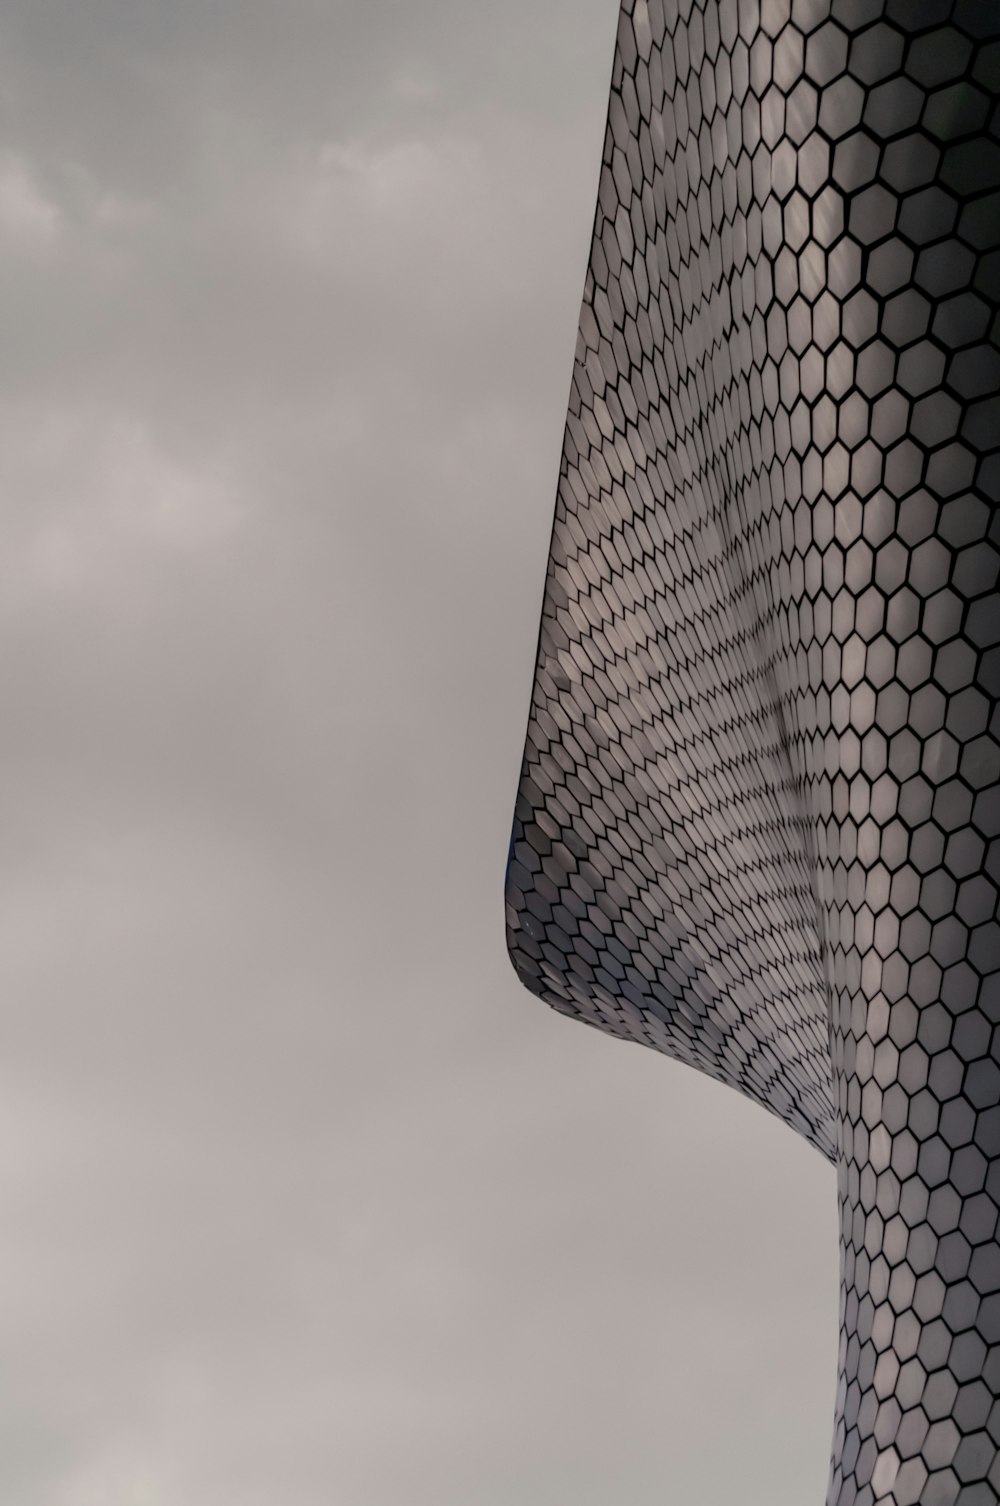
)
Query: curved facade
[{"x": 758, "y": 813}]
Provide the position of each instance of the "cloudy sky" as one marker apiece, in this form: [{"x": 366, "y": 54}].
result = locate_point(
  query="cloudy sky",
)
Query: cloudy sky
[{"x": 303, "y": 1201}]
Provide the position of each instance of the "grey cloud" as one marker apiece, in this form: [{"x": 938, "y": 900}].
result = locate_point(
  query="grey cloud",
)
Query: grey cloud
[{"x": 303, "y": 1198}]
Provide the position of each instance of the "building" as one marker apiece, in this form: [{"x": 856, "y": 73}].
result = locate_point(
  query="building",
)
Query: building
[{"x": 758, "y": 813}]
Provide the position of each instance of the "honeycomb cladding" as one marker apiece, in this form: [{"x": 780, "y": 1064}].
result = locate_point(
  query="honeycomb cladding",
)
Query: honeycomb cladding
[{"x": 757, "y": 820}]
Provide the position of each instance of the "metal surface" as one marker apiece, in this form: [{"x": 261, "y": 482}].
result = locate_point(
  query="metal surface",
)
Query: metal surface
[{"x": 757, "y": 818}]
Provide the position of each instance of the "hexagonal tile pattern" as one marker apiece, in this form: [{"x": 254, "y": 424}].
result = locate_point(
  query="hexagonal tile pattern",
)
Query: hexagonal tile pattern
[{"x": 758, "y": 813}]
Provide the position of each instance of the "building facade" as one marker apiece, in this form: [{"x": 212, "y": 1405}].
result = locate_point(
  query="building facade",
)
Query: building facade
[{"x": 757, "y": 819}]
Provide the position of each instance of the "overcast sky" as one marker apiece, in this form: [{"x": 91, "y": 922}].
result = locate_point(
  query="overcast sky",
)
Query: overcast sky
[{"x": 303, "y": 1201}]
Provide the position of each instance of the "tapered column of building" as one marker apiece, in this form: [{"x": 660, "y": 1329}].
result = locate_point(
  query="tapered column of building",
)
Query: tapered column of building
[{"x": 758, "y": 818}]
